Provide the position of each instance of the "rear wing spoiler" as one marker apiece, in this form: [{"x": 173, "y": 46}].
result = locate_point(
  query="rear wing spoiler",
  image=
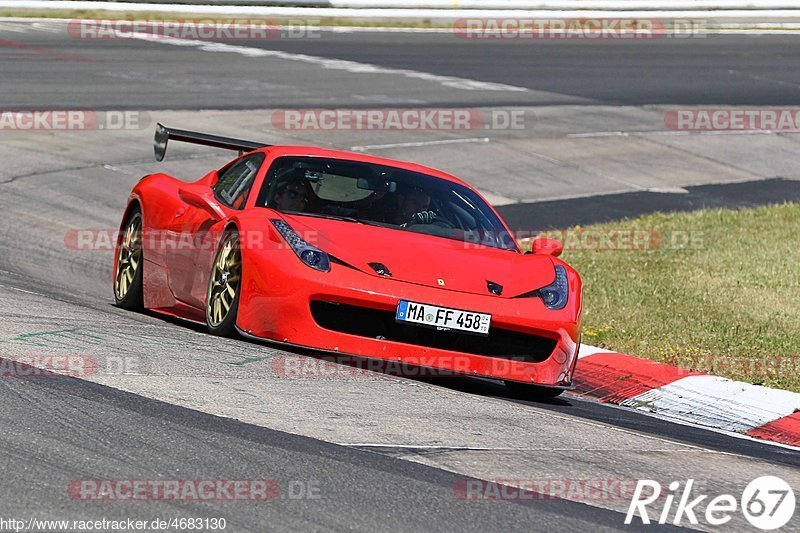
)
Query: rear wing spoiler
[{"x": 164, "y": 134}]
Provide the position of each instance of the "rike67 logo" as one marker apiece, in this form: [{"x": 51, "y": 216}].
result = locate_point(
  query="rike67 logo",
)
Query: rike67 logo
[{"x": 768, "y": 503}]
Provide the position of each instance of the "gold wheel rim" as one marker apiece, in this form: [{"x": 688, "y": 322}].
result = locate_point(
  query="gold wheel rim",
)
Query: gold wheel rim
[
  {"x": 129, "y": 257},
  {"x": 224, "y": 283}
]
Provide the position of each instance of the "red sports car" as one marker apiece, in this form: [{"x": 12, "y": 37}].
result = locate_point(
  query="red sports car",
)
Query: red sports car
[{"x": 351, "y": 254}]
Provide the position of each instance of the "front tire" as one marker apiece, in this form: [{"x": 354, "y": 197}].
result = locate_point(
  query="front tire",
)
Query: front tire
[
  {"x": 224, "y": 284},
  {"x": 128, "y": 285},
  {"x": 527, "y": 391}
]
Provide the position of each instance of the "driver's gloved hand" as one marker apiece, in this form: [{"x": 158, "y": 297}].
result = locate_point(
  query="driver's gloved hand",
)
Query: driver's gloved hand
[{"x": 423, "y": 217}]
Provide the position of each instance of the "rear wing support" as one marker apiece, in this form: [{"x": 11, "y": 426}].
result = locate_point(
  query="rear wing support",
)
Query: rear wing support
[{"x": 164, "y": 134}]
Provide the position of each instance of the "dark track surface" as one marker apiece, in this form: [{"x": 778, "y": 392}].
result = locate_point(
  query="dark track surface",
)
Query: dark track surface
[
  {"x": 608, "y": 208},
  {"x": 57, "y": 430},
  {"x": 634, "y": 420},
  {"x": 42, "y": 67},
  {"x": 715, "y": 69}
]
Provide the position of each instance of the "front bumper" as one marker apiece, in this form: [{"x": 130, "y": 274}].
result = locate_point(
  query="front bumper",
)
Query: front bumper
[{"x": 276, "y": 304}]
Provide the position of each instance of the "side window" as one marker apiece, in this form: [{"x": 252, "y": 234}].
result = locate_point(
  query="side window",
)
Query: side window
[{"x": 235, "y": 183}]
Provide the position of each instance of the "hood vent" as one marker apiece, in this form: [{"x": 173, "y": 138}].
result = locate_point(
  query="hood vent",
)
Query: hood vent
[
  {"x": 381, "y": 269},
  {"x": 494, "y": 288}
]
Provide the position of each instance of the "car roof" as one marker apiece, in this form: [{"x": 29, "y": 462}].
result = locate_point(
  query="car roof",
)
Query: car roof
[{"x": 314, "y": 151}]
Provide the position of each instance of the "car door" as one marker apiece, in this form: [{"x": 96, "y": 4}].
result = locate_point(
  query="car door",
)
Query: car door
[{"x": 198, "y": 229}]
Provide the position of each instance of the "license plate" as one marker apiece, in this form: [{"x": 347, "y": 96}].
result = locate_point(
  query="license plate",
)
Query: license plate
[{"x": 443, "y": 317}]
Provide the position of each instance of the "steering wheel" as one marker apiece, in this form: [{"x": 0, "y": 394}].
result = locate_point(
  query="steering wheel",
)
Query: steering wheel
[{"x": 430, "y": 217}]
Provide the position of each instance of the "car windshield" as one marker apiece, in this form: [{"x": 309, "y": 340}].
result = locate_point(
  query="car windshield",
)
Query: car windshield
[{"x": 386, "y": 196}]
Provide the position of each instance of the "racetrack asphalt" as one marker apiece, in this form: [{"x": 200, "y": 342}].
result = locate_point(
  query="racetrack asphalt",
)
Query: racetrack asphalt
[
  {"x": 131, "y": 74},
  {"x": 386, "y": 452},
  {"x": 58, "y": 430},
  {"x": 558, "y": 214}
]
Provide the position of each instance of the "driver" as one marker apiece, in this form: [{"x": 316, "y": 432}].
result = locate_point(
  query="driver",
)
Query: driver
[
  {"x": 414, "y": 206},
  {"x": 292, "y": 195}
]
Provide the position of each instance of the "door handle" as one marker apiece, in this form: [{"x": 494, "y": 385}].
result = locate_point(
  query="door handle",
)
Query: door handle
[{"x": 180, "y": 212}]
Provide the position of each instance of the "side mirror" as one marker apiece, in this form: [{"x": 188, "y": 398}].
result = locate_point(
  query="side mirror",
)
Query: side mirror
[
  {"x": 547, "y": 246},
  {"x": 202, "y": 201}
]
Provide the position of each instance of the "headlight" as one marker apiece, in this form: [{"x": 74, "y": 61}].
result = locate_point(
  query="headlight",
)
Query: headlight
[
  {"x": 555, "y": 295},
  {"x": 308, "y": 254}
]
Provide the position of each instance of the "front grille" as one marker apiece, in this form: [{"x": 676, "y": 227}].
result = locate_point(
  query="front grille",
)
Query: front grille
[{"x": 373, "y": 323}]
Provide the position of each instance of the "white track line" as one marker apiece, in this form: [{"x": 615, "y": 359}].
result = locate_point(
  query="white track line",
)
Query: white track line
[
  {"x": 354, "y": 67},
  {"x": 729, "y": 28},
  {"x": 418, "y": 144},
  {"x": 675, "y": 133},
  {"x": 416, "y": 14},
  {"x": 420, "y": 446},
  {"x": 13, "y": 27}
]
